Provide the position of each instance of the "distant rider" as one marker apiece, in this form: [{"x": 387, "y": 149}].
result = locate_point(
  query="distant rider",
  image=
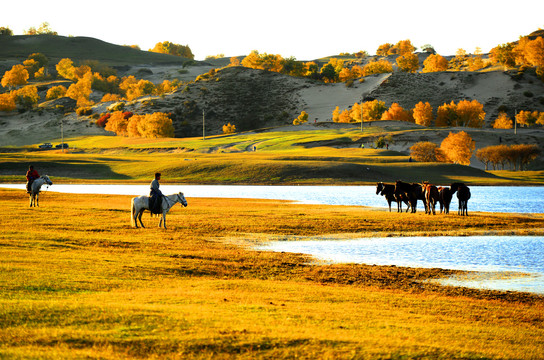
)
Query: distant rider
[
  {"x": 155, "y": 195},
  {"x": 31, "y": 175}
]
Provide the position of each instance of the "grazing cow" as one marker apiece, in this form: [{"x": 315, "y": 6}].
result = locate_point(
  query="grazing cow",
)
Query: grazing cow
[
  {"x": 388, "y": 190},
  {"x": 463, "y": 195},
  {"x": 413, "y": 192},
  {"x": 431, "y": 197},
  {"x": 444, "y": 198}
]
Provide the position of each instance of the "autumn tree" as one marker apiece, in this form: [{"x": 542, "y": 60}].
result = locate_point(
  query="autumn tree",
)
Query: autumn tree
[
  {"x": 435, "y": 63},
  {"x": 65, "y": 68},
  {"x": 44, "y": 29},
  {"x": 344, "y": 117},
  {"x": 55, "y": 92},
  {"x": 408, "y": 62},
  {"x": 383, "y": 50},
  {"x": 528, "y": 118},
  {"x": 402, "y": 48},
  {"x": 458, "y": 148},
  {"x": 336, "y": 114},
  {"x": 377, "y": 67},
  {"x": 234, "y": 61},
  {"x": 373, "y": 110},
  {"x": 263, "y": 61},
  {"x": 396, "y": 112},
  {"x": 465, "y": 113},
  {"x": 503, "y": 55},
  {"x": 5, "y": 31},
  {"x": 17, "y": 76},
  {"x": 229, "y": 129},
  {"x": 117, "y": 123},
  {"x": 170, "y": 48},
  {"x": 355, "y": 112},
  {"x": 476, "y": 62},
  {"x": 27, "y": 96},
  {"x": 81, "y": 90},
  {"x": 7, "y": 102},
  {"x": 425, "y": 151},
  {"x": 503, "y": 122},
  {"x": 423, "y": 114},
  {"x": 156, "y": 125},
  {"x": 301, "y": 119},
  {"x": 470, "y": 114}
]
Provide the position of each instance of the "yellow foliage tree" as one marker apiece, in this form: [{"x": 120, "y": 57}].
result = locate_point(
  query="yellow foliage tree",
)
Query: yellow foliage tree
[
  {"x": 373, "y": 110},
  {"x": 355, "y": 112},
  {"x": 408, "y": 62},
  {"x": 117, "y": 123},
  {"x": 503, "y": 122},
  {"x": 435, "y": 63},
  {"x": 81, "y": 90},
  {"x": 377, "y": 67},
  {"x": 396, "y": 112},
  {"x": 465, "y": 113},
  {"x": 425, "y": 151},
  {"x": 344, "y": 117},
  {"x": 234, "y": 61},
  {"x": 383, "y": 50},
  {"x": 423, "y": 114},
  {"x": 65, "y": 68},
  {"x": 527, "y": 118},
  {"x": 301, "y": 119},
  {"x": 156, "y": 125},
  {"x": 458, "y": 148},
  {"x": 55, "y": 92},
  {"x": 7, "y": 102},
  {"x": 27, "y": 96},
  {"x": 230, "y": 129},
  {"x": 17, "y": 76},
  {"x": 170, "y": 48},
  {"x": 336, "y": 114}
]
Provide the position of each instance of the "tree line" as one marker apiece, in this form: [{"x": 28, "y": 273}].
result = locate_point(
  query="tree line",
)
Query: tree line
[{"x": 459, "y": 147}]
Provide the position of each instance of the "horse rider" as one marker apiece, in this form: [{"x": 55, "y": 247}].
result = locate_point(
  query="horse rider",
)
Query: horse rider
[
  {"x": 155, "y": 195},
  {"x": 31, "y": 175}
]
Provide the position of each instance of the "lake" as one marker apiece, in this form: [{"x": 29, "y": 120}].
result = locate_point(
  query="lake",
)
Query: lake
[
  {"x": 513, "y": 199},
  {"x": 500, "y": 262}
]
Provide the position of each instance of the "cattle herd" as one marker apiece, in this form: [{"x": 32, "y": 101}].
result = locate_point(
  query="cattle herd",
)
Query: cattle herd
[{"x": 409, "y": 193}]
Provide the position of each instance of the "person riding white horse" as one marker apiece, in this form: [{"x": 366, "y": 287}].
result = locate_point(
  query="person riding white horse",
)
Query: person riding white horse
[
  {"x": 31, "y": 175},
  {"x": 141, "y": 203},
  {"x": 35, "y": 189},
  {"x": 155, "y": 195}
]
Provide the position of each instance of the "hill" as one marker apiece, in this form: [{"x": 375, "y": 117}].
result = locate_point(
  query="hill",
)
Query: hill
[{"x": 55, "y": 47}]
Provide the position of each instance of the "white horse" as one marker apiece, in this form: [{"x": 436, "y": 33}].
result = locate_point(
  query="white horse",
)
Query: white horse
[
  {"x": 141, "y": 203},
  {"x": 35, "y": 189}
]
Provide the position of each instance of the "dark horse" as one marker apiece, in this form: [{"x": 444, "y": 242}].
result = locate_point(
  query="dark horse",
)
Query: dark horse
[
  {"x": 444, "y": 198},
  {"x": 463, "y": 194},
  {"x": 388, "y": 190},
  {"x": 431, "y": 197},
  {"x": 413, "y": 192}
]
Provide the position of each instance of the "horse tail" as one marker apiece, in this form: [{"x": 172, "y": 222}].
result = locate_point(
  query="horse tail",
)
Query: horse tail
[{"x": 132, "y": 211}]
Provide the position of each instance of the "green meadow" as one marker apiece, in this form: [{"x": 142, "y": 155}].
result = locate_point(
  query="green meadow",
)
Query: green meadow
[{"x": 321, "y": 156}]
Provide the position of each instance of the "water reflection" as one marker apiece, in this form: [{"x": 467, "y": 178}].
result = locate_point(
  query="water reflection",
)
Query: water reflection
[
  {"x": 503, "y": 263},
  {"x": 515, "y": 199}
]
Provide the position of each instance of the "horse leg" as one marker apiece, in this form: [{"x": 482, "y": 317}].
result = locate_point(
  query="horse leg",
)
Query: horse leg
[
  {"x": 139, "y": 217},
  {"x": 37, "y": 202},
  {"x": 163, "y": 220}
]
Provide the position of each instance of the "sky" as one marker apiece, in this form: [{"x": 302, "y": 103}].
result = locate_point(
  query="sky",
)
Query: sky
[{"x": 304, "y": 29}]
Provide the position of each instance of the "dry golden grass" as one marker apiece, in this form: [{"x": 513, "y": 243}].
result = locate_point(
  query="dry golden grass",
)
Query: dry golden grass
[{"x": 78, "y": 282}]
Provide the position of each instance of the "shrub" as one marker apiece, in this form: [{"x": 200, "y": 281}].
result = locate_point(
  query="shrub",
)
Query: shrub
[
  {"x": 84, "y": 110},
  {"x": 101, "y": 122},
  {"x": 55, "y": 92}
]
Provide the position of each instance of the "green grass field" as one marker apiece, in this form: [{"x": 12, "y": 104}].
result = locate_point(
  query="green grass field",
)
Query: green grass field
[{"x": 323, "y": 156}]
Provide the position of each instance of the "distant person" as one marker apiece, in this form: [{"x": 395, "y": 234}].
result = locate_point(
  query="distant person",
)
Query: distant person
[
  {"x": 254, "y": 148},
  {"x": 410, "y": 159},
  {"x": 31, "y": 175},
  {"x": 155, "y": 195},
  {"x": 362, "y": 146},
  {"x": 387, "y": 146}
]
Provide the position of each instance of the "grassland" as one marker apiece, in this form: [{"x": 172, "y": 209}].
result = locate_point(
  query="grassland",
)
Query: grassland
[
  {"x": 317, "y": 156},
  {"x": 78, "y": 282}
]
